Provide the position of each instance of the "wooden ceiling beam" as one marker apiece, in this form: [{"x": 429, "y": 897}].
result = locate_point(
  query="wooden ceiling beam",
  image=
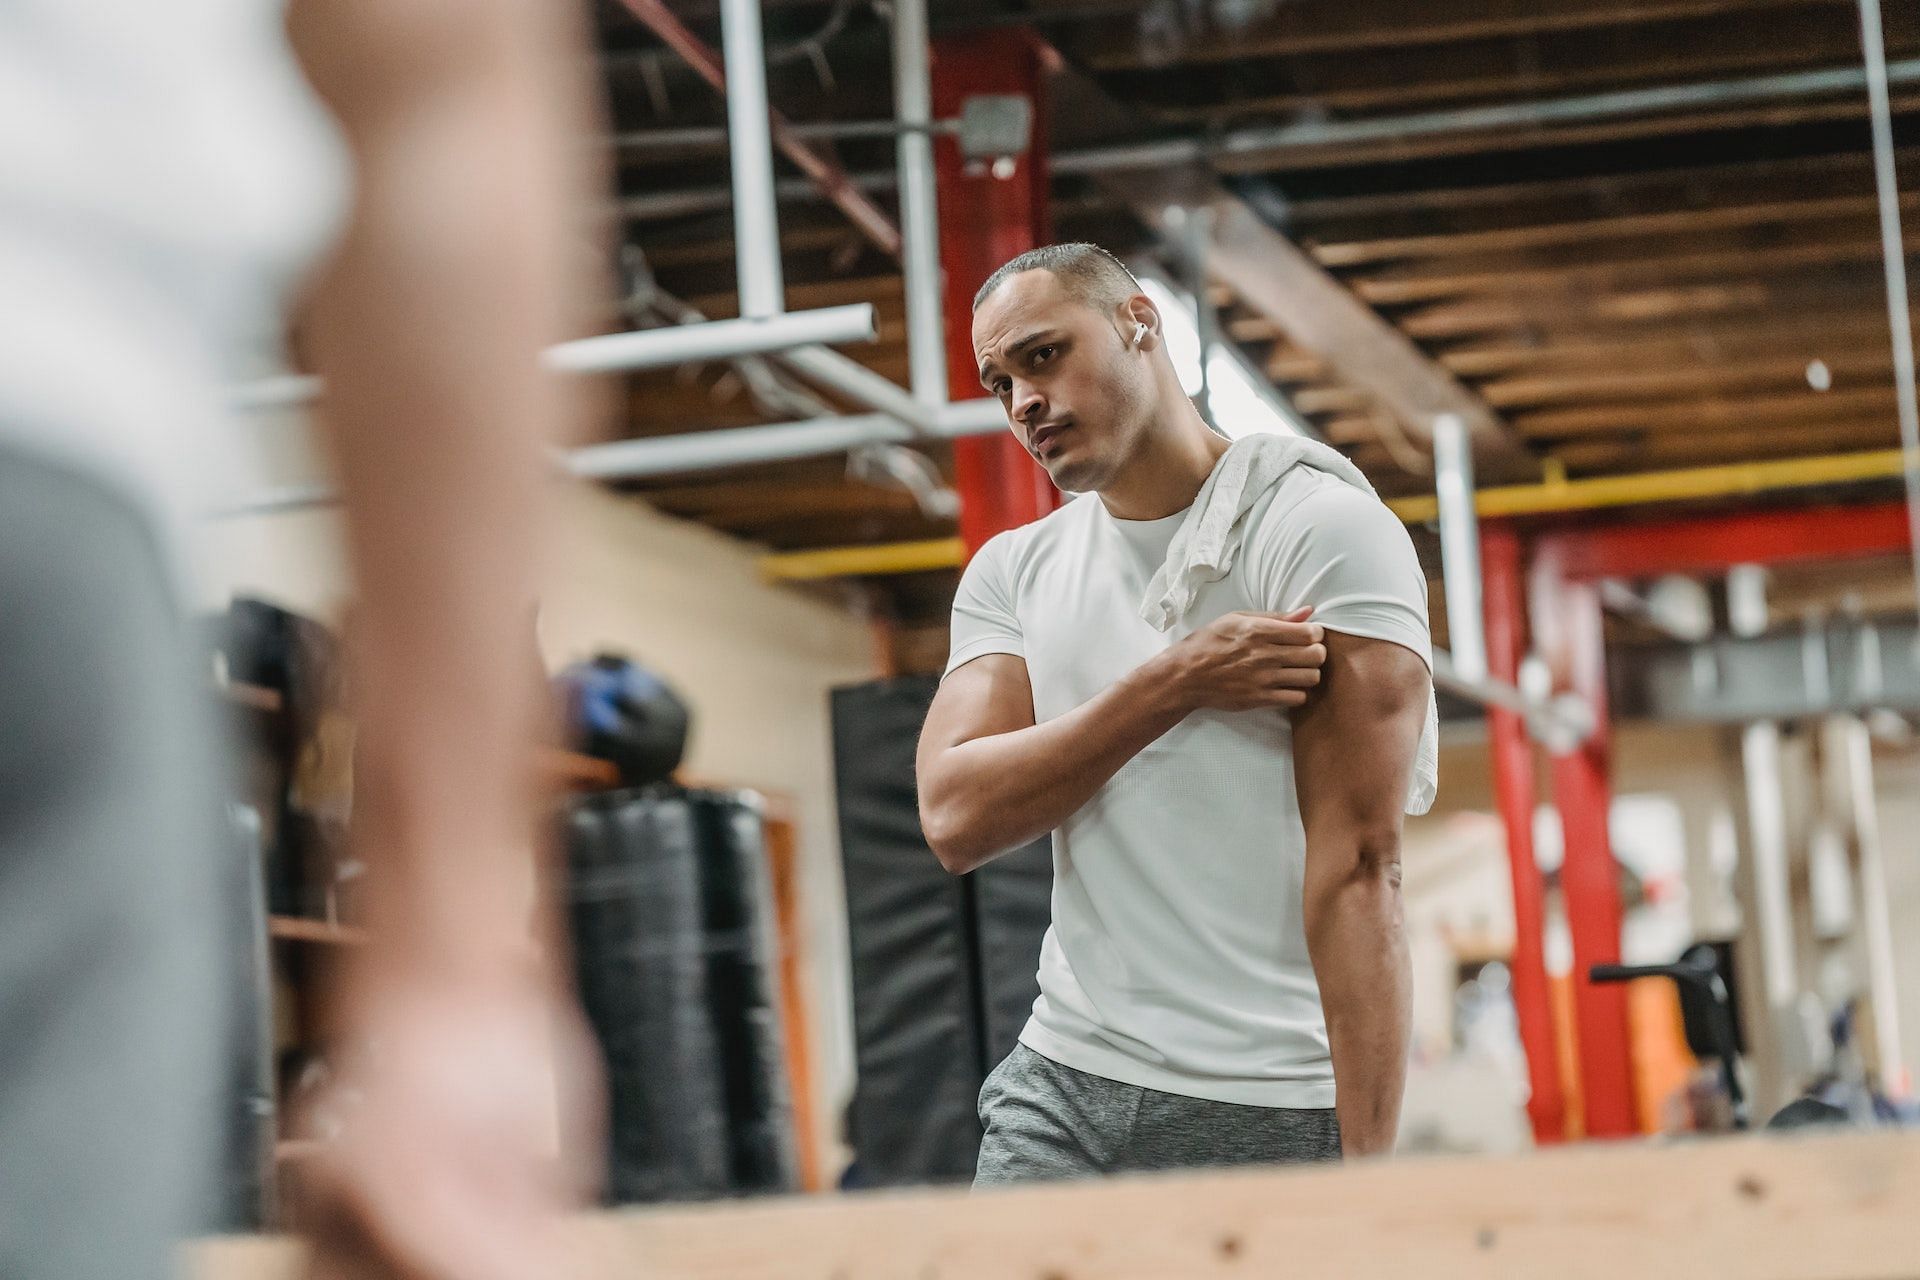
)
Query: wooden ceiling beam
[
  {"x": 1643, "y": 272},
  {"x": 1651, "y": 190},
  {"x": 1559, "y": 314},
  {"x": 1686, "y": 345},
  {"x": 1707, "y": 415},
  {"x": 1403, "y": 79},
  {"x": 1727, "y": 446},
  {"x": 1587, "y": 231},
  {"x": 1474, "y": 142},
  {"x": 1331, "y": 26},
  {"x": 1272, "y": 275},
  {"x": 1848, "y": 368}
]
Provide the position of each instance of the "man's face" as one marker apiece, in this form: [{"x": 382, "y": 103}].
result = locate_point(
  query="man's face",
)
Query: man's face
[{"x": 1075, "y": 395}]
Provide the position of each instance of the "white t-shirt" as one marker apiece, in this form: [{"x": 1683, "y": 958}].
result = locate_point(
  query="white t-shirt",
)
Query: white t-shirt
[
  {"x": 1177, "y": 959},
  {"x": 166, "y": 175}
]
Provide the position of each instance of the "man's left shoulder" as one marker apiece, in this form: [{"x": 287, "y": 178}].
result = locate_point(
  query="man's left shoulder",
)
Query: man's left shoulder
[{"x": 1312, "y": 506}]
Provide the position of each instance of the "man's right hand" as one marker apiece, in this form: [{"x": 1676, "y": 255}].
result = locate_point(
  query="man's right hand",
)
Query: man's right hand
[{"x": 1247, "y": 661}]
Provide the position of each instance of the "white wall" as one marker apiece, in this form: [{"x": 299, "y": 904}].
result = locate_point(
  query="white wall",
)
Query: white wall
[{"x": 755, "y": 661}]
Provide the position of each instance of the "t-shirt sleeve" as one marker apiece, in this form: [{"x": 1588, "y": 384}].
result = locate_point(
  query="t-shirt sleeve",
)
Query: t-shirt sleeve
[
  {"x": 984, "y": 617},
  {"x": 1343, "y": 552}
]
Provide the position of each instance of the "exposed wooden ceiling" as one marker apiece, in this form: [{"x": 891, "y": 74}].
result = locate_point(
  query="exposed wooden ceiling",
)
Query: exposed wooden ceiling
[{"x": 1624, "y": 292}]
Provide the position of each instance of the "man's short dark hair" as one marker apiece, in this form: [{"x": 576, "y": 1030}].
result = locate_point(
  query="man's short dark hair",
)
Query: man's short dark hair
[{"x": 1089, "y": 273}]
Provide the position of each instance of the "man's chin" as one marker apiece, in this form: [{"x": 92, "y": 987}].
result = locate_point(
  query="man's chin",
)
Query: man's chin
[{"x": 1074, "y": 476}]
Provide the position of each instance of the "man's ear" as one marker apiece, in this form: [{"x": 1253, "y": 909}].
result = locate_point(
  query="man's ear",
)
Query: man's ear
[{"x": 1139, "y": 323}]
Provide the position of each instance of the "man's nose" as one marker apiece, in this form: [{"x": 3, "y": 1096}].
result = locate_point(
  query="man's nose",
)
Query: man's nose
[{"x": 1029, "y": 406}]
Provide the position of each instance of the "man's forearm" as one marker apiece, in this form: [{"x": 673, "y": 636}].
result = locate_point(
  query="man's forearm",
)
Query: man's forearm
[
  {"x": 428, "y": 326},
  {"x": 1357, "y": 939},
  {"x": 997, "y": 793}
]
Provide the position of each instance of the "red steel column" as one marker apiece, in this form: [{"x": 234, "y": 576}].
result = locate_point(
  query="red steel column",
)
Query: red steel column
[
  {"x": 1568, "y": 621},
  {"x": 984, "y": 221},
  {"x": 1504, "y": 599}
]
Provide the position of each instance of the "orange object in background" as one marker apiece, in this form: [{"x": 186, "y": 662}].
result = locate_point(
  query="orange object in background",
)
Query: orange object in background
[
  {"x": 1662, "y": 1063},
  {"x": 1566, "y": 1039},
  {"x": 781, "y": 872}
]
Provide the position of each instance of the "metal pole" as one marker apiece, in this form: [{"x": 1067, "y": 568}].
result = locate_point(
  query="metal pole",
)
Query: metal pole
[
  {"x": 637, "y": 349},
  {"x": 779, "y": 442},
  {"x": 756, "y": 222},
  {"x": 833, "y": 181},
  {"x": 1311, "y": 134},
  {"x": 1459, "y": 545},
  {"x": 919, "y": 203},
  {"x": 857, "y": 382},
  {"x": 698, "y": 450},
  {"x": 1876, "y": 925},
  {"x": 1893, "y": 256},
  {"x": 1764, "y": 871}
]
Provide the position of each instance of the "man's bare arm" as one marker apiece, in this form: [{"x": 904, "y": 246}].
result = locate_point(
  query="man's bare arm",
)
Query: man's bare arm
[
  {"x": 992, "y": 780},
  {"x": 1354, "y": 748},
  {"x": 456, "y": 270}
]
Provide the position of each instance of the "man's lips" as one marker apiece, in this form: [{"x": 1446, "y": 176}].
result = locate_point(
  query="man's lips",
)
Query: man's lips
[{"x": 1043, "y": 436}]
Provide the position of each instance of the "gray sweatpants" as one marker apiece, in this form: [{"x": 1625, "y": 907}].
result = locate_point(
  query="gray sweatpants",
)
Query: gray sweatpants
[
  {"x": 110, "y": 1015},
  {"x": 1045, "y": 1121}
]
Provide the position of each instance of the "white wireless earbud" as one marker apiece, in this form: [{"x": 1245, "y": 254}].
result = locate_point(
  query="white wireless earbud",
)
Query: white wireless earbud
[{"x": 1139, "y": 332}]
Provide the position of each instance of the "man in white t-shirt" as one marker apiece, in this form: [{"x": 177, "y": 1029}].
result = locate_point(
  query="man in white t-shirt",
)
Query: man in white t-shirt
[{"x": 1227, "y": 941}]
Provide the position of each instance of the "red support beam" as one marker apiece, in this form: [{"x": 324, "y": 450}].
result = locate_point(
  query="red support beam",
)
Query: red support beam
[
  {"x": 1504, "y": 600},
  {"x": 1712, "y": 543},
  {"x": 1570, "y": 631},
  {"x": 985, "y": 220}
]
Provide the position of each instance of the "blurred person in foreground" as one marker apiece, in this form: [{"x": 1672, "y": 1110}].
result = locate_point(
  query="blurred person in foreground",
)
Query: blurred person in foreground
[{"x": 168, "y": 180}]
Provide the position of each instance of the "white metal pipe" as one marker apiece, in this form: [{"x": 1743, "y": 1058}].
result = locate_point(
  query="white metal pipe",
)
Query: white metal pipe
[
  {"x": 743, "y": 446},
  {"x": 1505, "y": 116},
  {"x": 919, "y": 208},
  {"x": 756, "y": 223},
  {"x": 1894, "y": 259},
  {"x": 641, "y": 349},
  {"x": 1308, "y": 134},
  {"x": 1876, "y": 925},
  {"x": 713, "y": 340},
  {"x": 1459, "y": 545},
  {"x": 713, "y": 450},
  {"x": 778, "y": 442},
  {"x": 857, "y": 382},
  {"x": 1766, "y": 852}
]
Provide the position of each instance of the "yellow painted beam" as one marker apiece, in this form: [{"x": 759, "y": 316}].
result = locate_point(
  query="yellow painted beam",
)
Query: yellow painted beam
[
  {"x": 856, "y": 562},
  {"x": 1739, "y": 479},
  {"x": 1736, "y": 479}
]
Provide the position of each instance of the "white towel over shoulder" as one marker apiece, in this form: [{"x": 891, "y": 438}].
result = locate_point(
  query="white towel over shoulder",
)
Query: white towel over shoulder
[{"x": 1204, "y": 548}]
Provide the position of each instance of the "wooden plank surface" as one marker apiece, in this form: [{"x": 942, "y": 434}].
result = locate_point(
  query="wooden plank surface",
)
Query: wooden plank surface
[{"x": 1830, "y": 1208}]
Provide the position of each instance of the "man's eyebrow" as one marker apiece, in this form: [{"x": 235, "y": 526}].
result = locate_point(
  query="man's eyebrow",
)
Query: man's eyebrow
[{"x": 1014, "y": 349}]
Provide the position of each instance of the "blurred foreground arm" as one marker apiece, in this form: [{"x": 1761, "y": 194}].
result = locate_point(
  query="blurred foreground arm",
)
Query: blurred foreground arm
[{"x": 463, "y": 122}]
